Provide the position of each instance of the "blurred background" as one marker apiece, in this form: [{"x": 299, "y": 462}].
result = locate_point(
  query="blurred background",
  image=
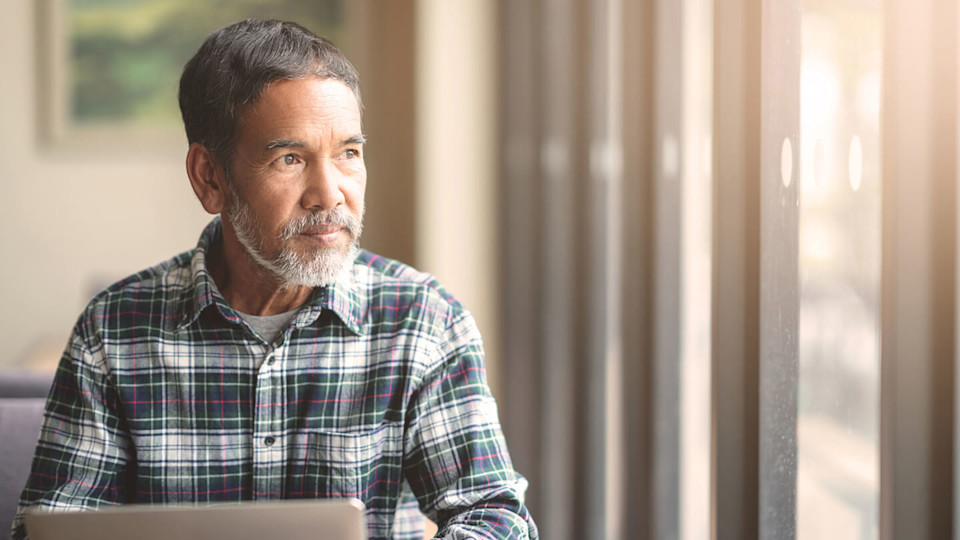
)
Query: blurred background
[{"x": 711, "y": 244}]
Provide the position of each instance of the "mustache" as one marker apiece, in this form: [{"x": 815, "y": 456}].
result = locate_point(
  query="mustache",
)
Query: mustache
[{"x": 335, "y": 217}]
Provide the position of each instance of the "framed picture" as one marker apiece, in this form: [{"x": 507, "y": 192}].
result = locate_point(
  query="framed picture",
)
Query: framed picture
[{"x": 109, "y": 70}]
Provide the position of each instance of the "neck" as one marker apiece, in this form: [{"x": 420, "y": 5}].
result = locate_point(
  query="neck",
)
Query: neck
[{"x": 246, "y": 285}]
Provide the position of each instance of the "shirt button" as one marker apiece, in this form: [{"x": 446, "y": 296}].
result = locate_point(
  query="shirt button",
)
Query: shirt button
[
  {"x": 271, "y": 360},
  {"x": 269, "y": 441}
]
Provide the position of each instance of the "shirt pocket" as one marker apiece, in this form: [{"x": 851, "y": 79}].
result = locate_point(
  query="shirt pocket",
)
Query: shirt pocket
[{"x": 366, "y": 465}]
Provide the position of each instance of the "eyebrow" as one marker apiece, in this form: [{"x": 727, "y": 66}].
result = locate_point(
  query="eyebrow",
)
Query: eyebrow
[
  {"x": 284, "y": 143},
  {"x": 356, "y": 139},
  {"x": 287, "y": 143}
]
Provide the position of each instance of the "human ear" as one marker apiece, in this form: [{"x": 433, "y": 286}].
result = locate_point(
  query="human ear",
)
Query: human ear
[{"x": 206, "y": 178}]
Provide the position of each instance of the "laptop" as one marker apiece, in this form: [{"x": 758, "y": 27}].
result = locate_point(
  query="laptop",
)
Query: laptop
[{"x": 325, "y": 519}]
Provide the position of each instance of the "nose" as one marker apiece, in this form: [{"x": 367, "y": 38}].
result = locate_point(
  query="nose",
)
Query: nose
[{"x": 322, "y": 190}]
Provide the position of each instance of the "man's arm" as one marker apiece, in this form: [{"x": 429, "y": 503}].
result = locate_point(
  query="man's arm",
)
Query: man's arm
[
  {"x": 455, "y": 457},
  {"x": 82, "y": 451}
]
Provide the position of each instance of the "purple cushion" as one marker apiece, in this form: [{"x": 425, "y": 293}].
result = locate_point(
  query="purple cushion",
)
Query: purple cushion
[
  {"x": 20, "y": 420},
  {"x": 24, "y": 384}
]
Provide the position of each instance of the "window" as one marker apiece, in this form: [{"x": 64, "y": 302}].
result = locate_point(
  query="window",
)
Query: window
[
  {"x": 788, "y": 325},
  {"x": 838, "y": 403}
]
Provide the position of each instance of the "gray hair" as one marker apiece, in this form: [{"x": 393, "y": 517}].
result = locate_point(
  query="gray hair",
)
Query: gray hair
[{"x": 236, "y": 64}]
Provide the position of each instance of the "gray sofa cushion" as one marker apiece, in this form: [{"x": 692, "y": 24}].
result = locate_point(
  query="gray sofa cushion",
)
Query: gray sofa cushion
[
  {"x": 24, "y": 384},
  {"x": 20, "y": 420}
]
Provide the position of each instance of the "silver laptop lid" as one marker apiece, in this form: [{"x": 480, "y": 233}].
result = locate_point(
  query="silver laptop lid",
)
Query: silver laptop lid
[{"x": 330, "y": 519}]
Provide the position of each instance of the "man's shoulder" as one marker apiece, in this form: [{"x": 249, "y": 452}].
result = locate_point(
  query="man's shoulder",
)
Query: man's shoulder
[
  {"x": 173, "y": 272},
  {"x": 154, "y": 290},
  {"x": 388, "y": 279}
]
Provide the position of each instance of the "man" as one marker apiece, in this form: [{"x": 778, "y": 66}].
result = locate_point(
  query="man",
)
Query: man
[{"x": 277, "y": 359}]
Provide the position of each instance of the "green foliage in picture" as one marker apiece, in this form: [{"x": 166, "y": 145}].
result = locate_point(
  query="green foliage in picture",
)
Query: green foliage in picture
[{"x": 127, "y": 55}]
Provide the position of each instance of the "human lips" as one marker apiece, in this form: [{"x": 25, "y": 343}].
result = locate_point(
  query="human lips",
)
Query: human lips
[{"x": 325, "y": 235}]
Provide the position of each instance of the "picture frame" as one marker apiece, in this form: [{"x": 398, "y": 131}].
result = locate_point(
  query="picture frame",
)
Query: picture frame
[{"x": 108, "y": 70}]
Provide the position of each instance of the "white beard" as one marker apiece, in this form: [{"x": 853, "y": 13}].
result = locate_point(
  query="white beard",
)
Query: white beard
[{"x": 323, "y": 267}]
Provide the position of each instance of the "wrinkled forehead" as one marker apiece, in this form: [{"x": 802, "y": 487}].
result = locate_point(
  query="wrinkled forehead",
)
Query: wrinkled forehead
[
  {"x": 332, "y": 92},
  {"x": 305, "y": 110}
]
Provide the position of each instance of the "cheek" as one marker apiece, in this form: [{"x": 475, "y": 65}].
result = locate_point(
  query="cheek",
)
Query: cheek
[
  {"x": 356, "y": 198},
  {"x": 361, "y": 181},
  {"x": 273, "y": 218}
]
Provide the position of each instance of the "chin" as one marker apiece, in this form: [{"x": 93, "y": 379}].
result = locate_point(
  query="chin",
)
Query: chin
[{"x": 324, "y": 267}]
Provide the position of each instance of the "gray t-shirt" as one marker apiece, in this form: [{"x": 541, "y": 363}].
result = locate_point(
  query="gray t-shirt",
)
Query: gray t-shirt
[{"x": 269, "y": 327}]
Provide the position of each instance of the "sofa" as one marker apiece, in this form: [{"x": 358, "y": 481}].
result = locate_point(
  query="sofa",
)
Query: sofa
[{"x": 22, "y": 397}]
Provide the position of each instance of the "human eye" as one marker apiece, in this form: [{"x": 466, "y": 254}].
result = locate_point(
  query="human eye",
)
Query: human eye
[
  {"x": 351, "y": 153},
  {"x": 286, "y": 163}
]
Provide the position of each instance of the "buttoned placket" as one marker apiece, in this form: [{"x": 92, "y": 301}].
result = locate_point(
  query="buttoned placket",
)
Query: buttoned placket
[{"x": 269, "y": 444}]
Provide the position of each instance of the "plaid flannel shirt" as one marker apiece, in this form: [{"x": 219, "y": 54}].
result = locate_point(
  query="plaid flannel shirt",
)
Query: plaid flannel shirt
[{"x": 376, "y": 390}]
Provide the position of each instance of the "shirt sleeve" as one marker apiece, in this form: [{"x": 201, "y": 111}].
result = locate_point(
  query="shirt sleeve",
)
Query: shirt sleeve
[
  {"x": 455, "y": 456},
  {"x": 82, "y": 452}
]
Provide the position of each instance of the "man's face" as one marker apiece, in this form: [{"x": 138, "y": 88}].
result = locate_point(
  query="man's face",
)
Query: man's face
[{"x": 297, "y": 180}]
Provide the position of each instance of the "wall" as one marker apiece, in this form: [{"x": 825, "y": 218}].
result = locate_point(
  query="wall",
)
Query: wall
[
  {"x": 73, "y": 220},
  {"x": 456, "y": 157}
]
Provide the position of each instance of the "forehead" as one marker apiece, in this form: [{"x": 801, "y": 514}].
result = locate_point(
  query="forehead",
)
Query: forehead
[{"x": 302, "y": 104}]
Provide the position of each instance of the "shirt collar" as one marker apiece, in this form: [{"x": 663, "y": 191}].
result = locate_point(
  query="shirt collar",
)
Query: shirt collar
[{"x": 343, "y": 298}]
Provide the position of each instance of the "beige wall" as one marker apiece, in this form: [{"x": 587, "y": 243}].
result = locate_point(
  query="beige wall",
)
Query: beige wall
[
  {"x": 73, "y": 219},
  {"x": 77, "y": 215},
  {"x": 456, "y": 156}
]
